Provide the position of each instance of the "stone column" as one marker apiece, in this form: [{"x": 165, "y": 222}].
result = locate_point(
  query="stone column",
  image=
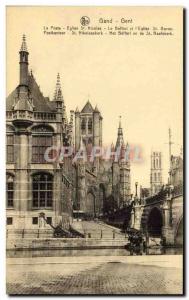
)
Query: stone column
[
  {"x": 77, "y": 130},
  {"x": 22, "y": 193},
  {"x": 132, "y": 218},
  {"x": 81, "y": 187},
  {"x": 167, "y": 230},
  {"x": 137, "y": 215}
]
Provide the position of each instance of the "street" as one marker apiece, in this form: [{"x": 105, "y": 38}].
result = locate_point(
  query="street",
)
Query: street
[{"x": 153, "y": 274}]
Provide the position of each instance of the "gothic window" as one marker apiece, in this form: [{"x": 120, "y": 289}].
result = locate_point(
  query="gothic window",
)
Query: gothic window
[
  {"x": 10, "y": 191},
  {"x": 83, "y": 126},
  {"x": 154, "y": 163},
  {"x": 155, "y": 178},
  {"x": 90, "y": 126},
  {"x": 157, "y": 164},
  {"x": 42, "y": 189},
  {"x": 10, "y": 148},
  {"x": 159, "y": 177},
  {"x": 41, "y": 140}
]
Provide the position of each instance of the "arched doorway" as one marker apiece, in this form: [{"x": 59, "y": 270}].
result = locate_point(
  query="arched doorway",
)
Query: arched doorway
[
  {"x": 90, "y": 205},
  {"x": 179, "y": 234},
  {"x": 155, "y": 222}
]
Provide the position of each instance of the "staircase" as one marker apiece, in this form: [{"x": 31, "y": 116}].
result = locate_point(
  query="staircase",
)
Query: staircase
[{"x": 98, "y": 230}]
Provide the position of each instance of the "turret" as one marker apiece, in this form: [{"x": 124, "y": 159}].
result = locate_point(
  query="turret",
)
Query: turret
[
  {"x": 23, "y": 106},
  {"x": 58, "y": 97},
  {"x": 23, "y": 62},
  {"x": 120, "y": 140}
]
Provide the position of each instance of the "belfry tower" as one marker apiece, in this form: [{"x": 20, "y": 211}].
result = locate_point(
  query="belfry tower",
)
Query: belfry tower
[
  {"x": 156, "y": 172},
  {"x": 121, "y": 170}
]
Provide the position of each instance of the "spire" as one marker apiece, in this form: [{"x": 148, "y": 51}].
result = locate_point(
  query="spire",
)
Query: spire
[
  {"x": 24, "y": 62},
  {"x": 120, "y": 140},
  {"x": 24, "y": 45},
  {"x": 58, "y": 91},
  {"x": 96, "y": 109}
]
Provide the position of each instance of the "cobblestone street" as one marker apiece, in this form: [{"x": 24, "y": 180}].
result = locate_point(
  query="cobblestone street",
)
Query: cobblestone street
[{"x": 118, "y": 275}]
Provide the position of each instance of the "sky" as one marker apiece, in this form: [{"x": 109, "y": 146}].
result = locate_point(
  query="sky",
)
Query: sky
[{"x": 139, "y": 78}]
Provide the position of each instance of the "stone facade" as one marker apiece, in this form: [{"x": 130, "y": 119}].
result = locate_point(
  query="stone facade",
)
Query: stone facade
[{"x": 58, "y": 188}]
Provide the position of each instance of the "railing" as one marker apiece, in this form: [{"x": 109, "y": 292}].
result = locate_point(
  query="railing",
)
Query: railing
[
  {"x": 103, "y": 234},
  {"x": 44, "y": 116},
  {"x": 10, "y": 115},
  {"x": 19, "y": 114},
  {"x": 48, "y": 233},
  {"x": 29, "y": 233}
]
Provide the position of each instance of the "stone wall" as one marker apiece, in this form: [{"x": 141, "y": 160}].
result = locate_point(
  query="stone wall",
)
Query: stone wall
[{"x": 63, "y": 243}]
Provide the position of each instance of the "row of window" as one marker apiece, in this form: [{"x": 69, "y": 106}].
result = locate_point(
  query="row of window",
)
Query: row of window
[
  {"x": 42, "y": 191},
  {"x": 35, "y": 220},
  {"x": 156, "y": 163},
  {"x": 39, "y": 145},
  {"x": 156, "y": 177}
]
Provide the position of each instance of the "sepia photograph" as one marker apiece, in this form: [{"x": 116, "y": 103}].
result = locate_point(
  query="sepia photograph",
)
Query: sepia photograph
[{"x": 94, "y": 150}]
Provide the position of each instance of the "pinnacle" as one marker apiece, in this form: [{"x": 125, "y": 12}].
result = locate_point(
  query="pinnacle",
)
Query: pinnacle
[
  {"x": 24, "y": 45},
  {"x": 58, "y": 91}
]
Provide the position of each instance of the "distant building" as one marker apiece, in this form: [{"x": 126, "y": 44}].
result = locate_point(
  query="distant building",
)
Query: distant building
[{"x": 156, "y": 173}]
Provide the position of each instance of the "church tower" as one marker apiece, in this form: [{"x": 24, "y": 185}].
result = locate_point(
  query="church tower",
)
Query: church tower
[
  {"x": 156, "y": 172},
  {"x": 88, "y": 127},
  {"x": 121, "y": 170}
]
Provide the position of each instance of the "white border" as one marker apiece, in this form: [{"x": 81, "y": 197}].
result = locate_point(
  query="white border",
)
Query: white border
[{"x": 3, "y": 4}]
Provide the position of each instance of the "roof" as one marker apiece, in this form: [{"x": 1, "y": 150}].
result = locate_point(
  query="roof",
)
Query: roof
[
  {"x": 40, "y": 102},
  {"x": 87, "y": 108}
]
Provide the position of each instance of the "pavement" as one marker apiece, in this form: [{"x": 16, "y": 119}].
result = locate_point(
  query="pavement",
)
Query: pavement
[{"x": 153, "y": 274}]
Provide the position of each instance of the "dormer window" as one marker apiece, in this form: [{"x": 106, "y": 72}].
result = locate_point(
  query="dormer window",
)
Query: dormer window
[
  {"x": 90, "y": 126},
  {"x": 83, "y": 126}
]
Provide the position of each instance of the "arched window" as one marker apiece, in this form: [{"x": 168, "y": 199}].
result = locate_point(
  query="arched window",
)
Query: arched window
[
  {"x": 90, "y": 126},
  {"x": 42, "y": 189},
  {"x": 155, "y": 177},
  {"x": 10, "y": 191},
  {"x": 41, "y": 140},
  {"x": 83, "y": 126},
  {"x": 157, "y": 163},
  {"x": 159, "y": 177},
  {"x": 9, "y": 144}
]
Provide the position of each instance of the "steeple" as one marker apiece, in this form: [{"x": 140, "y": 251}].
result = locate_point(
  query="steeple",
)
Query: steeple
[
  {"x": 24, "y": 45},
  {"x": 23, "y": 62},
  {"x": 58, "y": 91},
  {"x": 58, "y": 97},
  {"x": 120, "y": 140}
]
